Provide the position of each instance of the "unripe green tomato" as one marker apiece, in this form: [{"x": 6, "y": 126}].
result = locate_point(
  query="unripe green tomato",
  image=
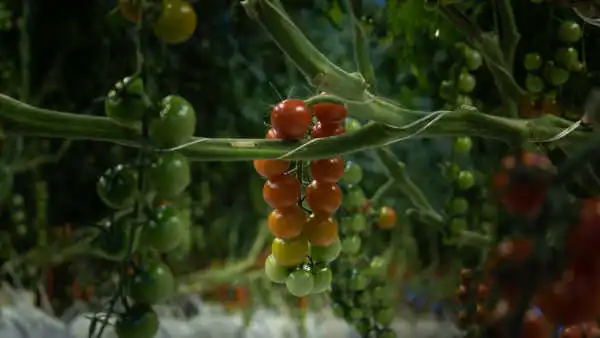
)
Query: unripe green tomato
[
  {"x": 353, "y": 174},
  {"x": 322, "y": 279},
  {"x": 355, "y": 314},
  {"x": 377, "y": 267},
  {"x": 534, "y": 84},
  {"x": 338, "y": 310},
  {"x": 458, "y": 225},
  {"x": 352, "y": 125},
  {"x": 118, "y": 186},
  {"x": 358, "y": 282},
  {"x": 363, "y": 326},
  {"x": 473, "y": 59},
  {"x": 463, "y": 144},
  {"x": 326, "y": 254},
  {"x": 364, "y": 299},
  {"x": 299, "y": 283},
  {"x": 164, "y": 230},
  {"x": 459, "y": 206},
  {"x": 466, "y": 180},
  {"x": 466, "y": 82},
  {"x": 447, "y": 90},
  {"x": 532, "y": 61},
  {"x": 558, "y": 76},
  {"x": 358, "y": 223},
  {"x": 152, "y": 284},
  {"x": 568, "y": 57},
  {"x": 275, "y": 272},
  {"x": 386, "y": 333},
  {"x": 125, "y": 103},
  {"x": 351, "y": 245},
  {"x": 385, "y": 316},
  {"x": 569, "y": 32},
  {"x": 463, "y": 100},
  {"x": 354, "y": 198},
  {"x": 175, "y": 124},
  {"x": 169, "y": 175},
  {"x": 140, "y": 321}
]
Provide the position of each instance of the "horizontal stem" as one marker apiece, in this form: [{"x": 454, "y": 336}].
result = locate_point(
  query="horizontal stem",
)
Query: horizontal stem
[{"x": 393, "y": 125}]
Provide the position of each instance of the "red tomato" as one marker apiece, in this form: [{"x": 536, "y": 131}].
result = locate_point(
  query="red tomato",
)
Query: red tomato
[
  {"x": 527, "y": 107},
  {"x": 272, "y": 134},
  {"x": 328, "y": 170},
  {"x": 320, "y": 130},
  {"x": 583, "y": 330},
  {"x": 534, "y": 323},
  {"x": 330, "y": 113},
  {"x": 270, "y": 168},
  {"x": 282, "y": 191},
  {"x": 583, "y": 238},
  {"x": 323, "y": 197},
  {"x": 572, "y": 299},
  {"x": 291, "y": 119},
  {"x": 504, "y": 265}
]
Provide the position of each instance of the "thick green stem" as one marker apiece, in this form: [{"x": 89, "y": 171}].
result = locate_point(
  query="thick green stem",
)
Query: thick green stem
[{"x": 509, "y": 34}]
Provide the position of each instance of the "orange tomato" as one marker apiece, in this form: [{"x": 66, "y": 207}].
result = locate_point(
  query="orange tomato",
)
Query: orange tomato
[
  {"x": 287, "y": 223},
  {"x": 321, "y": 230},
  {"x": 387, "y": 218},
  {"x": 270, "y": 168},
  {"x": 282, "y": 191}
]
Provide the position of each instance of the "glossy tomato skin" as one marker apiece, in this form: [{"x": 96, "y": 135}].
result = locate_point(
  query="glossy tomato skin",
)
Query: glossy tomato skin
[
  {"x": 270, "y": 168},
  {"x": 291, "y": 119},
  {"x": 175, "y": 124},
  {"x": 140, "y": 321},
  {"x": 177, "y": 22},
  {"x": 125, "y": 103},
  {"x": 328, "y": 170},
  {"x": 571, "y": 299},
  {"x": 151, "y": 284},
  {"x": 117, "y": 187},
  {"x": 320, "y": 130},
  {"x": 272, "y": 134},
  {"x": 282, "y": 192},
  {"x": 289, "y": 253},
  {"x": 387, "y": 218},
  {"x": 169, "y": 174},
  {"x": 323, "y": 197},
  {"x": 287, "y": 223},
  {"x": 321, "y": 230},
  {"x": 165, "y": 229},
  {"x": 330, "y": 113}
]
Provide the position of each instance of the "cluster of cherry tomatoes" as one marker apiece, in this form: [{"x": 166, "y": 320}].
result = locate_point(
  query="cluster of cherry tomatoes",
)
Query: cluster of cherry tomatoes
[
  {"x": 305, "y": 242},
  {"x": 555, "y": 72},
  {"x": 166, "y": 174},
  {"x": 458, "y": 89},
  {"x": 471, "y": 312},
  {"x": 175, "y": 24}
]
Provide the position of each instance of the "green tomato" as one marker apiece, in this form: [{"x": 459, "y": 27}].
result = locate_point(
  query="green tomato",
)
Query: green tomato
[
  {"x": 152, "y": 284},
  {"x": 353, "y": 174},
  {"x": 358, "y": 223},
  {"x": 169, "y": 175},
  {"x": 466, "y": 180},
  {"x": 473, "y": 59},
  {"x": 117, "y": 187},
  {"x": 466, "y": 82},
  {"x": 354, "y": 198},
  {"x": 364, "y": 299},
  {"x": 175, "y": 124},
  {"x": 463, "y": 144},
  {"x": 464, "y": 100},
  {"x": 140, "y": 321},
  {"x": 326, "y": 254},
  {"x": 275, "y": 272},
  {"x": 458, "y": 225},
  {"x": 534, "y": 84},
  {"x": 164, "y": 230},
  {"x": 377, "y": 267},
  {"x": 384, "y": 316},
  {"x": 362, "y": 326},
  {"x": 300, "y": 283},
  {"x": 125, "y": 103},
  {"x": 351, "y": 245},
  {"x": 459, "y": 206},
  {"x": 338, "y": 310},
  {"x": 558, "y": 76},
  {"x": 532, "y": 61},
  {"x": 567, "y": 57},
  {"x": 358, "y": 281},
  {"x": 569, "y": 32},
  {"x": 322, "y": 280},
  {"x": 352, "y": 125},
  {"x": 381, "y": 293},
  {"x": 447, "y": 90}
]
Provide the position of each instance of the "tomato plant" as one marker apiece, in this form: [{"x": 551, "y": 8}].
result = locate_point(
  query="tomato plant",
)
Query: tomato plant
[
  {"x": 164, "y": 230},
  {"x": 271, "y": 168},
  {"x": 330, "y": 113},
  {"x": 175, "y": 123},
  {"x": 323, "y": 197},
  {"x": 140, "y": 321},
  {"x": 287, "y": 223},
  {"x": 117, "y": 187},
  {"x": 169, "y": 174},
  {"x": 282, "y": 191},
  {"x": 151, "y": 283},
  {"x": 126, "y": 104},
  {"x": 291, "y": 119},
  {"x": 387, "y": 218},
  {"x": 321, "y": 230},
  {"x": 320, "y": 130},
  {"x": 328, "y": 170},
  {"x": 177, "y": 22}
]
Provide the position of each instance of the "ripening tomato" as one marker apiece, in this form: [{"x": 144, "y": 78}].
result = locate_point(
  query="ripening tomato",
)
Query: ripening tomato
[
  {"x": 528, "y": 107},
  {"x": 175, "y": 124},
  {"x": 550, "y": 107},
  {"x": 320, "y": 130},
  {"x": 387, "y": 218},
  {"x": 522, "y": 182},
  {"x": 291, "y": 119},
  {"x": 534, "y": 324},
  {"x": 328, "y": 170},
  {"x": 291, "y": 252},
  {"x": 130, "y": 9},
  {"x": 287, "y": 223},
  {"x": 571, "y": 299},
  {"x": 177, "y": 22},
  {"x": 330, "y": 113},
  {"x": 274, "y": 271},
  {"x": 140, "y": 321},
  {"x": 583, "y": 238},
  {"x": 321, "y": 230},
  {"x": 323, "y": 197},
  {"x": 505, "y": 265},
  {"x": 270, "y": 168},
  {"x": 282, "y": 191},
  {"x": 272, "y": 134}
]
